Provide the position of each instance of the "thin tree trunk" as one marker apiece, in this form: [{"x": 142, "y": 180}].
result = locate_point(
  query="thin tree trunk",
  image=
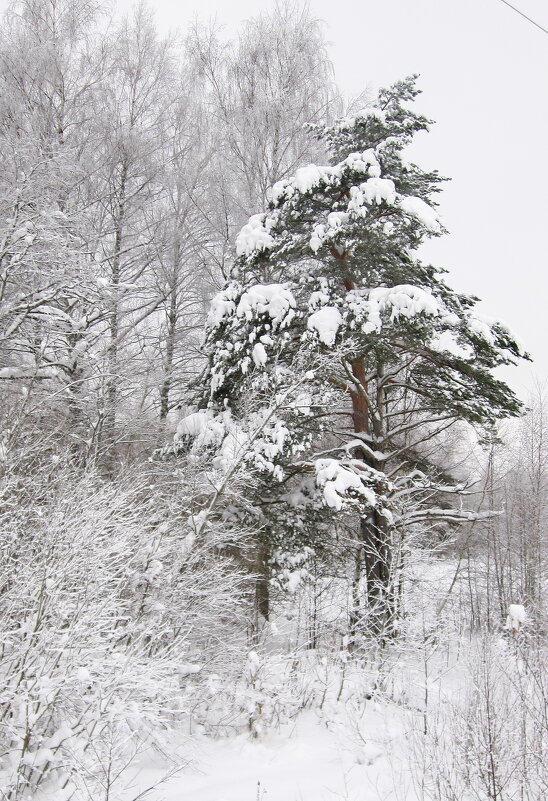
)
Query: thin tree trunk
[
  {"x": 108, "y": 438},
  {"x": 262, "y": 583},
  {"x": 170, "y": 352}
]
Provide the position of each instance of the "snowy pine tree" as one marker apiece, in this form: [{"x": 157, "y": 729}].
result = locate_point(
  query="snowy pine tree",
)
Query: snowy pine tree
[{"x": 334, "y": 353}]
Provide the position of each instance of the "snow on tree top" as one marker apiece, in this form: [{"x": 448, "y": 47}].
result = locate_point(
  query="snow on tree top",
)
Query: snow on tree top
[
  {"x": 259, "y": 234},
  {"x": 313, "y": 176},
  {"x": 361, "y": 115}
]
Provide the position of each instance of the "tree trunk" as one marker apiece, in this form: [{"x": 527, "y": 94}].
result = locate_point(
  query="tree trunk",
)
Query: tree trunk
[
  {"x": 374, "y": 529},
  {"x": 170, "y": 353},
  {"x": 355, "y": 617},
  {"x": 262, "y": 582},
  {"x": 108, "y": 439},
  {"x": 377, "y": 549}
]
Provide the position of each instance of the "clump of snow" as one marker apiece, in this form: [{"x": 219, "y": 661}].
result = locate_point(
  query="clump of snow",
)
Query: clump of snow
[
  {"x": 317, "y": 238},
  {"x": 269, "y": 443},
  {"x": 377, "y": 190},
  {"x": 481, "y": 327},
  {"x": 337, "y": 218},
  {"x": 446, "y": 342},
  {"x": 404, "y": 300},
  {"x": 516, "y": 617},
  {"x": 204, "y": 427},
  {"x": 336, "y": 480},
  {"x": 259, "y": 355},
  {"x": 253, "y": 665},
  {"x": 314, "y": 175},
  {"x": 306, "y": 178},
  {"x": 363, "y": 114},
  {"x": 326, "y": 322},
  {"x": 12, "y": 372},
  {"x": 234, "y": 447},
  {"x": 318, "y": 299},
  {"x": 273, "y": 299},
  {"x": 253, "y": 236},
  {"x": 293, "y": 579},
  {"x": 279, "y": 189},
  {"x": 421, "y": 211},
  {"x": 221, "y": 306},
  {"x": 189, "y": 669}
]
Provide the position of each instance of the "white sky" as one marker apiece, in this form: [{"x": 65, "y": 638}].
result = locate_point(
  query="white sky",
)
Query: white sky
[{"x": 484, "y": 73}]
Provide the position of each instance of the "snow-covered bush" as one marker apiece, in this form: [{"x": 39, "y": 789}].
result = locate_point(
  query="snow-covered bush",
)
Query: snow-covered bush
[
  {"x": 108, "y": 613},
  {"x": 489, "y": 738}
]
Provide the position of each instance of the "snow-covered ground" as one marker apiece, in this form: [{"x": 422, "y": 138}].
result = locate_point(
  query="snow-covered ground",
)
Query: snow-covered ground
[
  {"x": 322, "y": 738},
  {"x": 338, "y": 753}
]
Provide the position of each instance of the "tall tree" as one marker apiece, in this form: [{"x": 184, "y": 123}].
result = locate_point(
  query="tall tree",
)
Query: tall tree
[
  {"x": 376, "y": 354},
  {"x": 133, "y": 112}
]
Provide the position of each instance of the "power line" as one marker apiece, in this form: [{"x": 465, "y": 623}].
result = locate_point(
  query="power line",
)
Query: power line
[{"x": 532, "y": 21}]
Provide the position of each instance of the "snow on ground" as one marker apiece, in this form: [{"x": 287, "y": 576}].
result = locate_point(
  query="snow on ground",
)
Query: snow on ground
[
  {"x": 346, "y": 747},
  {"x": 319, "y": 757}
]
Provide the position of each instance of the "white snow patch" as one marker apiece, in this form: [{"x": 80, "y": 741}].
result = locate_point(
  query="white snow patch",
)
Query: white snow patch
[
  {"x": 363, "y": 114},
  {"x": 336, "y": 480},
  {"x": 516, "y": 617},
  {"x": 421, "y": 211},
  {"x": 204, "y": 427},
  {"x": 259, "y": 355},
  {"x": 446, "y": 342},
  {"x": 306, "y": 178},
  {"x": 253, "y": 236},
  {"x": 273, "y": 299},
  {"x": 326, "y": 322},
  {"x": 221, "y": 306},
  {"x": 404, "y": 300},
  {"x": 377, "y": 190},
  {"x": 481, "y": 328}
]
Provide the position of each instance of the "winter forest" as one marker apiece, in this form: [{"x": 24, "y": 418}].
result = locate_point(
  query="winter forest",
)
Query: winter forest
[{"x": 272, "y": 525}]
